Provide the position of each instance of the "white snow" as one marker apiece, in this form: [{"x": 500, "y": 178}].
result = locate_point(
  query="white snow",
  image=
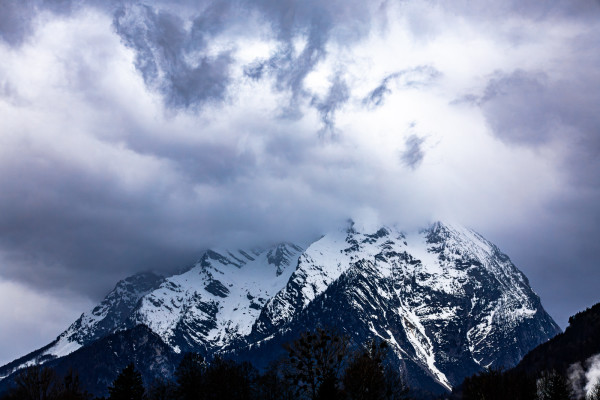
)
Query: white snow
[
  {"x": 421, "y": 343},
  {"x": 63, "y": 347},
  {"x": 250, "y": 284}
]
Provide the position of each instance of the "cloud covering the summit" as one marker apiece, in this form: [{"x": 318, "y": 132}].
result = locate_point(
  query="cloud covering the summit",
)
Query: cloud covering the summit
[{"x": 136, "y": 134}]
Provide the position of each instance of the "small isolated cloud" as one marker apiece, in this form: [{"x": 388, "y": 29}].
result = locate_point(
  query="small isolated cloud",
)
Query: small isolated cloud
[
  {"x": 413, "y": 77},
  {"x": 413, "y": 153}
]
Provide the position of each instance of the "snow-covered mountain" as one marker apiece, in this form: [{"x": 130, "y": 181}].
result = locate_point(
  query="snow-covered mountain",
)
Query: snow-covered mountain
[
  {"x": 218, "y": 300},
  {"x": 448, "y": 302}
]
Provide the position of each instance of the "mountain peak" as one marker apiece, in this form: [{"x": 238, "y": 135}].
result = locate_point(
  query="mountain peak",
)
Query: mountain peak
[{"x": 448, "y": 302}]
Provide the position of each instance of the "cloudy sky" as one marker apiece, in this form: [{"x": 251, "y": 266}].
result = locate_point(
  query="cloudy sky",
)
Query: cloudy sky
[{"x": 134, "y": 135}]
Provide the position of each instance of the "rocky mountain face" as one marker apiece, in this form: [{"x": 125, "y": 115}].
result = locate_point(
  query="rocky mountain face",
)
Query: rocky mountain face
[
  {"x": 107, "y": 317},
  {"x": 448, "y": 302},
  {"x": 99, "y": 362}
]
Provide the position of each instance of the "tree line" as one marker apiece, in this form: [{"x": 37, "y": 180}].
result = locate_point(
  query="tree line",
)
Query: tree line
[
  {"x": 495, "y": 384},
  {"x": 318, "y": 365}
]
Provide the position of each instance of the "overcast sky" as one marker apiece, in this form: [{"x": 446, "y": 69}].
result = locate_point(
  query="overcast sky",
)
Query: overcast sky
[{"x": 134, "y": 135}]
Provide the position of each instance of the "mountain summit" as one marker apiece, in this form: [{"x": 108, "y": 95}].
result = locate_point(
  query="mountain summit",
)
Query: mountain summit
[{"x": 448, "y": 302}]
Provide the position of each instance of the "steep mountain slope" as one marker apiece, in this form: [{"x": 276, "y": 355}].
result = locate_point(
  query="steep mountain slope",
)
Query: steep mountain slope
[
  {"x": 201, "y": 309},
  {"x": 99, "y": 363},
  {"x": 112, "y": 312},
  {"x": 447, "y": 301},
  {"x": 218, "y": 299},
  {"x": 104, "y": 319}
]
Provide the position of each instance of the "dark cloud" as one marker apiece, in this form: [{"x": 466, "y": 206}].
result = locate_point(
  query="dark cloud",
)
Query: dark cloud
[
  {"x": 343, "y": 20},
  {"x": 18, "y": 17},
  {"x": 9, "y": 93},
  {"x": 336, "y": 97},
  {"x": 173, "y": 60},
  {"x": 59, "y": 6},
  {"x": 290, "y": 69},
  {"x": 413, "y": 154},
  {"x": 555, "y": 110},
  {"x": 255, "y": 70},
  {"x": 203, "y": 162},
  {"x": 15, "y": 20},
  {"x": 414, "y": 77},
  {"x": 376, "y": 97},
  {"x": 530, "y": 9},
  {"x": 509, "y": 102},
  {"x": 316, "y": 23},
  {"x": 60, "y": 223},
  {"x": 536, "y": 108}
]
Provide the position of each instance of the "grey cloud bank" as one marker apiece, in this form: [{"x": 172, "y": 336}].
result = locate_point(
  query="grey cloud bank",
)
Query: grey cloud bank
[{"x": 135, "y": 135}]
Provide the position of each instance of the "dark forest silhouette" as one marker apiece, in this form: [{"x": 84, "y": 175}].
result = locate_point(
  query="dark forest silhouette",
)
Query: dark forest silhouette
[
  {"x": 317, "y": 366},
  {"x": 322, "y": 365}
]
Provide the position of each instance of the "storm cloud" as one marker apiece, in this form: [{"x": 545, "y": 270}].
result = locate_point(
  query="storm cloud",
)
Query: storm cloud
[
  {"x": 173, "y": 60},
  {"x": 136, "y": 135}
]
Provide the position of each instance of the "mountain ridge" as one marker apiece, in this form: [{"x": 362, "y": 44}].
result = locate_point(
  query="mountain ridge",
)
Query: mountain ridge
[{"x": 448, "y": 301}]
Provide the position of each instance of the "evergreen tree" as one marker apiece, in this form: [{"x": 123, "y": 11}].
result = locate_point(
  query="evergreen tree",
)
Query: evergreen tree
[
  {"x": 364, "y": 378},
  {"x": 71, "y": 388},
  {"x": 226, "y": 379},
  {"x": 487, "y": 385},
  {"x": 161, "y": 389},
  {"x": 190, "y": 377},
  {"x": 272, "y": 385},
  {"x": 395, "y": 385},
  {"x": 329, "y": 389},
  {"x": 128, "y": 385},
  {"x": 495, "y": 384},
  {"x": 367, "y": 376}
]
